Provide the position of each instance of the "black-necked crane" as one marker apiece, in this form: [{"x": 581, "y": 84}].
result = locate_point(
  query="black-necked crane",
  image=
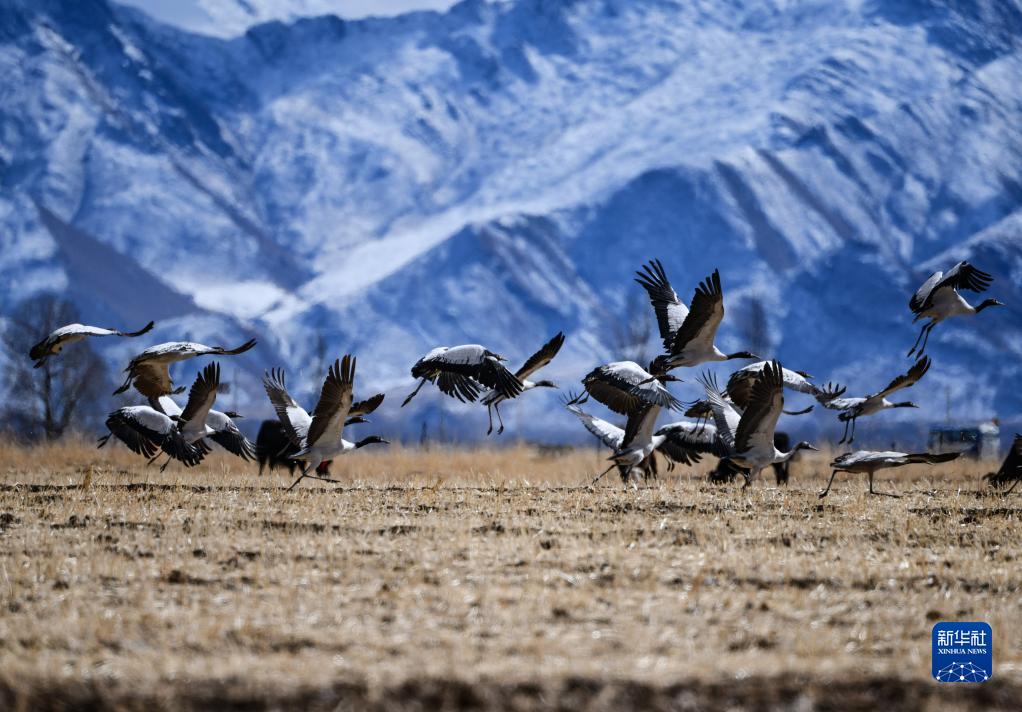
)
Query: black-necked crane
[
  {"x": 747, "y": 438},
  {"x": 854, "y": 408},
  {"x": 626, "y": 387},
  {"x": 220, "y": 427},
  {"x": 740, "y": 383},
  {"x": 739, "y": 389},
  {"x": 869, "y": 461},
  {"x": 689, "y": 332},
  {"x": 633, "y": 446},
  {"x": 150, "y": 370},
  {"x": 146, "y": 431},
  {"x": 181, "y": 435},
  {"x": 59, "y": 338},
  {"x": 1010, "y": 470},
  {"x": 319, "y": 436},
  {"x": 460, "y": 371},
  {"x": 492, "y": 399},
  {"x": 939, "y": 299},
  {"x": 685, "y": 442}
]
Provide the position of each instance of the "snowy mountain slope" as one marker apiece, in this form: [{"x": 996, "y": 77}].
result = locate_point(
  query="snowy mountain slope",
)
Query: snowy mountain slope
[{"x": 496, "y": 173}]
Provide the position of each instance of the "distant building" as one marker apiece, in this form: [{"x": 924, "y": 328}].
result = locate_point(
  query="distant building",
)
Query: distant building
[{"x": 977, "y": 441}]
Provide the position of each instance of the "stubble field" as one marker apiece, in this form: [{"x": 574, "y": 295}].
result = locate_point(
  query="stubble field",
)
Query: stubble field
[{"x": 493, "y": 578}]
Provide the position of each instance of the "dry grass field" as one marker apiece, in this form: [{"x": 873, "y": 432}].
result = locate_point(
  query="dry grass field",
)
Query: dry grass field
[{"x": 496, "y": 579}]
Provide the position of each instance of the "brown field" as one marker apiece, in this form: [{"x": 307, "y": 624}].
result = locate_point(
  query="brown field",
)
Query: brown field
[{"x": 493, "y": 579}]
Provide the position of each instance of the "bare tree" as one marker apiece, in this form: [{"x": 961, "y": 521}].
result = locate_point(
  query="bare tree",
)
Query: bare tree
[
  {"x": 630, "y": 335},
  {"x": 752, "y": 323},
  {"x": 45, "y": 402}
]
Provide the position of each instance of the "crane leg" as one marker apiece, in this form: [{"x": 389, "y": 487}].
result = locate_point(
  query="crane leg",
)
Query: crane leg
[
  {"x": 885, "y": 494},
  {"x": 305, "y": 471},
  {"x": 852, "y": 438},
  {"x": 1013, "y": 486},
  {"x": 928, "y": 328},
  {"x": 845, "y": 436},
  {"x": 824, "y": 492},
  {"x": 489, "y": 414},
  {"x": 414, "y": 393},
  {"x": 496, "y": 407},
  {"x": 918, "y": 339},
  {"x": 600, "y": 476},
  {"x": 164, "y": 465}
]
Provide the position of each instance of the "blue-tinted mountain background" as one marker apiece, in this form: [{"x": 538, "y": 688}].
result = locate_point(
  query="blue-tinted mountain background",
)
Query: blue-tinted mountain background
[{"x": 496, "y": 172}]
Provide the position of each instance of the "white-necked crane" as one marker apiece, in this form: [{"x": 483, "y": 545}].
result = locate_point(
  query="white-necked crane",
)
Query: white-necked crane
[
  {"x": 688, "y": 333},
  {"x": 150, "y": 370},
  {"x": 180, "y": 436},
  {"x": 682, "y": 442},
  {"x": 869, "y": 461},
  {"x": 854, "y": 408},
  {"x": 939, "y": 299},
  {"x": 59, "y": 338},
  {"x": 458, "y": 372},
  {"x": 747, "y": 438},
  {"x": 626, "y": 387},
  {"x": 319, "y": 436},
  {"x": 492, "y": 399},
  {"x": 1010, "y": 470}
]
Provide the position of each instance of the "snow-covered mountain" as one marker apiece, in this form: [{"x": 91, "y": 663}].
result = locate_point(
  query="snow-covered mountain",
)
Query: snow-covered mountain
[{"x": 495, "y": 173}]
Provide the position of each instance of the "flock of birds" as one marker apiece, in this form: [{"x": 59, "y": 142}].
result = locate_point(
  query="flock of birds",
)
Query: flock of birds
[{"x": 744, "y": 413}]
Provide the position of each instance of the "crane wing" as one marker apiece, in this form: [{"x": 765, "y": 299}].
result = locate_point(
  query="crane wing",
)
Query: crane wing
[
  {"x": 542, "y": 357},
  {"x": 227, "y": 435},
  {"x": 334, "y": 403},
  {"x": 639, "y": 427},
  {"x": 670, "y": 312},
  {"x": 367, "y": 406},
  {"x": 704, "y": 316},
  {"x": 202, "y": 395},
  {"x": 757, "y": 424},
  {"x": 609, "y": 434},
  {"x": 726, "y": 418},
  {"x": 917, "y": 371},
  {"x": 686, "y": 441},
  {"x": 921, "y": 301},
  {"x": 152, "y": 379},
  {"x": 293, "y": 417}
]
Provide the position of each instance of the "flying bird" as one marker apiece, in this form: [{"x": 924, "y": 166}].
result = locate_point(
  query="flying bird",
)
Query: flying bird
[
  {"x": 854, "y": 408},
  {"x": 869, "y": 461},
  {"x": 747, "y": 438},
  {"x": 740, "y": 383},
  {"x": 739, "y": 390},
  {"x": 688, "y": 333},
  {"x": 462, "y": 371},
  {"x": 626, "y": 387},
  {"x": 219, "y": 427},
  {"x": 150, "y": 370},
  {"x": 1011, "y": 468},
  {"x": 634, "y": 446},
  {"x": 59, "y": 338},
  {"x": 146, "y": 431},
  {"x": 319, "y": 437},
  {"x": 179, "y": 435},
  {"x": 492, "y": 399},
  {"x": 939, "y": 299}
]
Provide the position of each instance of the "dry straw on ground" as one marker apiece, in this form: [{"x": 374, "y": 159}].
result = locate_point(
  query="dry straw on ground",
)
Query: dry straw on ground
[{"x": 492, "y": 578}]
